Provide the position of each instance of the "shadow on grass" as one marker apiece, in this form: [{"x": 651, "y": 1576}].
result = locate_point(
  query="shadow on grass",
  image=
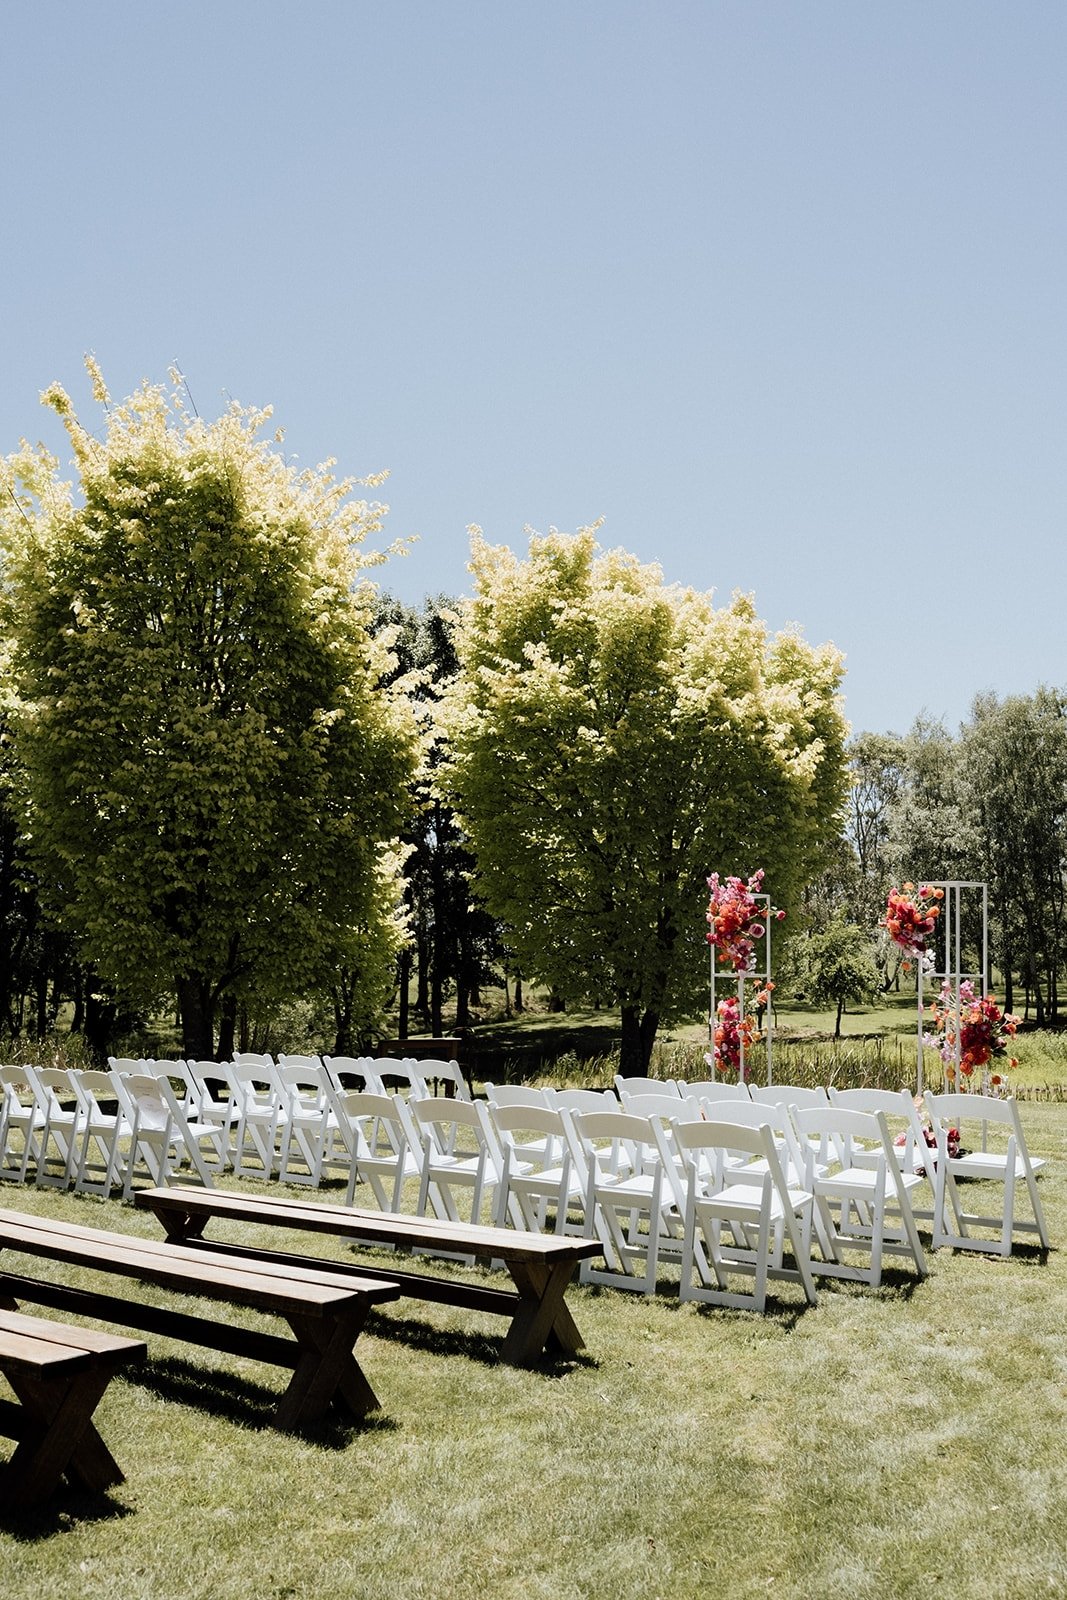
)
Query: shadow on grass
[
  {"x": 244, "y": 1402},
  {"x": 63, "y": 1513},
  {"x": 483, "y": 1348}
]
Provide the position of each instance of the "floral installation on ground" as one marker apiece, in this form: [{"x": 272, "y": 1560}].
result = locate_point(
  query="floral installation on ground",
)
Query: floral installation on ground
[
  {"x": 910, "y": 918},
  {"x": 952, "y": 1140},
  {"x": 735, "y": 1035},
  {"x": 984, "y": 1031},
  {"x": 736, "y": 921}
]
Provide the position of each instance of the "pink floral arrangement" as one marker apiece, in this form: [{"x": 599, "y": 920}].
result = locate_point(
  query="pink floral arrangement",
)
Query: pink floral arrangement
[
  {"x": 984, "y": 1031},
  {"x": 736, "y": 920},
  {"x": 735, "y": 1035},
  {"x": 952, "y": 1140},
  {"x": 911, "y": 916}
]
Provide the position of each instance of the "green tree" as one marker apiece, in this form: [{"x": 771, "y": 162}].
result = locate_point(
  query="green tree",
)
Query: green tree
[
  {"x": 209, "y": 770},
  {"x": 1014, "y": 784},
  {"x": 611, "y": 742},
  {"x": 454, "y": 940},
  {"x": 840, "y": 967}
]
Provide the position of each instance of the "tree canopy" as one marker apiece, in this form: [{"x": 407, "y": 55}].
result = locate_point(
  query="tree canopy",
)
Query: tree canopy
[
  {"x": 611, "y": 741},
  {"x": 209, "y": 769}
]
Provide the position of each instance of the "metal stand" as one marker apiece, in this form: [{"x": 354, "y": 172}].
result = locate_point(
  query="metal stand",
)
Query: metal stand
[
  {"x": 737, "y": 980},
  {"x": 951, "y": 972}
]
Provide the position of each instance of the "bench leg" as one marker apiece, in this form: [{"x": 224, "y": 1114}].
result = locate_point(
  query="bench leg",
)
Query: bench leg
[
  {"x": 542, "y": 1317},
  {"x": 327, "y": 1371},
  {"x": 59, "y": 1436}
]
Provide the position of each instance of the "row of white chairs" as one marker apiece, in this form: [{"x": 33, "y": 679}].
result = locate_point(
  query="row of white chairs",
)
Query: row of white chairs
[
  {"x": 721, "y": 1184},
  {"x": 851, "y": 1159},
  {"x": 96, "y": 1131}
]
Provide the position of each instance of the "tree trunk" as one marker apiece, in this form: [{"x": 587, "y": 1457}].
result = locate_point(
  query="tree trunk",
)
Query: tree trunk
[
  {"x": 227, "y": 1027},
  {"x": 840, "y": 1013},
  {"x": 517, "y": 1002},
  {"x": 404, "y": 998},
  {"x": 638, "y": 1036},
  {"x": 198, "y": 1020},
  {"x": 100, "y": 1018}
]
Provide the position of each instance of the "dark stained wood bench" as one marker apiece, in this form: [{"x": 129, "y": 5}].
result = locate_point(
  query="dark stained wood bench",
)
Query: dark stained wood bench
[
  {"x": 541, "y": 1265},
  {"x": 325, "y": 1309},
  {"x": 58, "y": 1374}
]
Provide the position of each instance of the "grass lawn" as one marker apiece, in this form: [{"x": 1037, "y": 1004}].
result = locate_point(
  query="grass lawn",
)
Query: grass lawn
[{"x": 882, "y": 1444}]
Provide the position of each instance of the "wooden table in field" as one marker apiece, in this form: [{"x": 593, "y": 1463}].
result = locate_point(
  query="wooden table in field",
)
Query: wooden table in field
[{"x": 541, "y": 1265}]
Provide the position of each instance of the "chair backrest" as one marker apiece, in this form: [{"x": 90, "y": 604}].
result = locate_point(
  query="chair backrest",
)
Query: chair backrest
[
  {"x": 213, "y": 1090},
  {"x": 141, "y": 1098},
  {"x": 254, "y": 1082},
  {"x": 94, "y": 1090},
  {"x": 710, "y": 1145},
  {"x": 442, "y": 1119},
  {"x": 253, "y": 1058},
  {"x": 625, "y": 1087},
  {"x": 431, "y": 1073},
  {"x": 709, "y": 1090},
  {"x": 842, "y": 1136},
  {"x": 903, "y": 1120},
  {"x": 126, "y": 1064},
  {"x": 612, "y": 1142},
  {"x": 515, "y": 1094},
  {"x": 304, "y": 1083},
  {"x": 54, "y": 1088},
  {"x": 395, "y": 1075},
  {"x": 980, "y": 1112},
  {"x": 544, "y": 1121},
  {"x": 667, "y": 1106},
  {"x": 584, "y": 1099},
  {"x": 344, "y": 1069},
  {"x": 372, "y": 1124},
  {"x": 788, "y": 1094}
]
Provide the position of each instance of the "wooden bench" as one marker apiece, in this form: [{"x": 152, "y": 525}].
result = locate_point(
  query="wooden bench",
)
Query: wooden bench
[
  {"x": 541, "y": 1265},
  {"x": 325, "y": 1310},
  {"x": 58, "y": 1374}
]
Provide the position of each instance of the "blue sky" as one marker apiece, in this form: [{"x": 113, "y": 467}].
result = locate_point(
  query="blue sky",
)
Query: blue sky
[{"x": 775, "y": 288}]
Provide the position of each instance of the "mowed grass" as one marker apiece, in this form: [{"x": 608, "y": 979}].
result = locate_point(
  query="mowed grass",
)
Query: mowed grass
[{"x": 877, "y": 1445}]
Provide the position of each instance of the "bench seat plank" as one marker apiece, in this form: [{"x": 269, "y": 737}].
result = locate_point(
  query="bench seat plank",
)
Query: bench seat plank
[
  {"x": 541, "y": 1265},
  {"x": 58, "y": 1375},
  {"x": 324, "y": 1309}
]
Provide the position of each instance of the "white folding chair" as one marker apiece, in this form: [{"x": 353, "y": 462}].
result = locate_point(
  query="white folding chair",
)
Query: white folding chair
[
  {"x": 102, "y": 1132},
  {"x": 58, "y": 1139},
  {"x": 537, "y": 1171},
  {"x": 304, "y": 1122},
  {"x": 382, "y": 1146},
  {"x": 213, "y": 1100},
  {"x": 618, "y": 1160},
  {"x": 911, "y": 1148},
  {"x": 459, "y": 1152},
  {"x": 21, "y": 1124},
  {"x": 997, "y": 1154},
  {"x": 261, "y": 1107},
  {"x": 851, "y": 1164},
  {"x": 162, "y": 1137},
  {"x": 740, "y": 1214}
]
